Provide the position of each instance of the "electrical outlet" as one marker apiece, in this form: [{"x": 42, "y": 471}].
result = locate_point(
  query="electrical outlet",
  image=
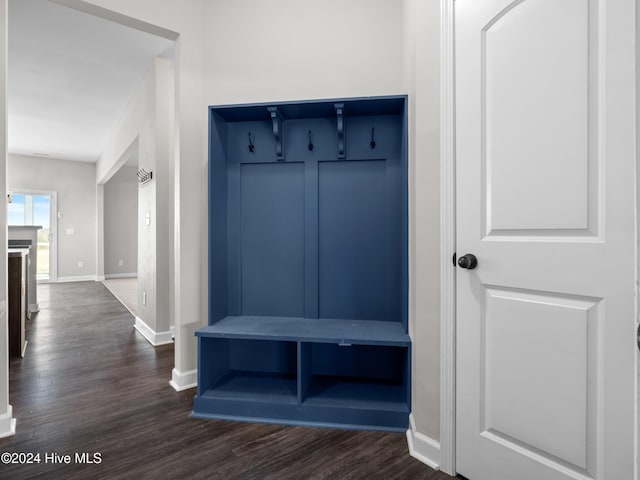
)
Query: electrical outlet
[
  {"x": 80, "y": 264},
  {"x": 120, "y": 263},
  {"x": 147, "y": 218}
]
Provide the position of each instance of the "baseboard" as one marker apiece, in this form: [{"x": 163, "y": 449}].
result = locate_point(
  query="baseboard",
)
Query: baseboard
[
  {"x": 172, "y": 329},
  {"x": 99, "y": 278},
  {"x": 76, "y": 278},
  {"x": 107, "y": 276},
  {"x": 7, "y": 423},
  {"x": 183, "y": 380},
  {"x": 154, "y": 338},
  {"x": 422, "y": 447}
]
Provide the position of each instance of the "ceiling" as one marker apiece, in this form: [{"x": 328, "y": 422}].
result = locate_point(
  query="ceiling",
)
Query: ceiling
[{"x": 71, "y": 76}]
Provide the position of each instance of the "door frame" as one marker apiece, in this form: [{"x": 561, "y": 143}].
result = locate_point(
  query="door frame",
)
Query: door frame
[
  {"x": 447, "y": 240},
  {"x": 53, "y": 226},
  {"x": 448, "y": 230}
]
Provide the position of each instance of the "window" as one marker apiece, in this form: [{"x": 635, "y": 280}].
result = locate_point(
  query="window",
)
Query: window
[{"x": 28, "y": 209}]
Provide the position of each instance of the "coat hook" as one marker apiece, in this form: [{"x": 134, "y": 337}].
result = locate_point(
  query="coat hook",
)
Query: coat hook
[
  {"x": 310, "y": 146},
  {"x": 340, "y": 127},
  {"x": 251, "y": 145},
  {"x": 277, "y": 124},
  {"x": 372, "y": 143}
]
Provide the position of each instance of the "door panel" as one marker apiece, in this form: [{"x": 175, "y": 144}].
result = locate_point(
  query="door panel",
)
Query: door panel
[
  {"x": 539, "y": 346},
  {"x": 530, "y": 125},
  {"x": 546, "y": 165}
]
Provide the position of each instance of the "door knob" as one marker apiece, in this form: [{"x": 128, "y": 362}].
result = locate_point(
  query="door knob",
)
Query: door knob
[{"x": 468, "y": 261}]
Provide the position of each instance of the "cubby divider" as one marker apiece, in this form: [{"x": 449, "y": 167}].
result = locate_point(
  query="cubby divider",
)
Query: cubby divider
[{"x": 304, "y": 370}]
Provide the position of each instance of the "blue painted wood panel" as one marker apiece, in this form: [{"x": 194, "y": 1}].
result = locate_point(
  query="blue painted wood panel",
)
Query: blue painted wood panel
[
  {"x": 390, "y": 417},
  {"x": 343, "y": 394},
  {"x": 362, "y": 362},
  {"x": 353, "y": 242},
  {"x": 272, "y": 239},
  {"x": 324, "y": 330},
  {"x": 337, "y": 391},
  {"x": 218, "y": 219},
  {"x": 263, "y": 356}
]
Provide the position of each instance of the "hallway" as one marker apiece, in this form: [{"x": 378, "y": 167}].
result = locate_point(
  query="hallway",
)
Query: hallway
[{"x": 90, "y": 383}]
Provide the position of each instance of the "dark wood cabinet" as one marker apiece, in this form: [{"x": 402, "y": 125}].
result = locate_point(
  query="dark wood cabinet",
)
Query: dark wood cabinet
[{"x": 17, "y": 300}]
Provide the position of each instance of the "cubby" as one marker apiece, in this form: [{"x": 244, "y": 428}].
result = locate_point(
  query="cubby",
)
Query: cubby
[{"x": 307, "y": 265}]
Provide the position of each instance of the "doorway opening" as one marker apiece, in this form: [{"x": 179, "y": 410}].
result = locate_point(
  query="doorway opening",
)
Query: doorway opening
[{"x": 30, "y": 207}]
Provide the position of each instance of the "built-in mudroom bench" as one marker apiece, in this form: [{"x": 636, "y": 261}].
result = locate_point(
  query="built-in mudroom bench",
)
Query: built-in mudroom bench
[{"x": 308, "y": 265}]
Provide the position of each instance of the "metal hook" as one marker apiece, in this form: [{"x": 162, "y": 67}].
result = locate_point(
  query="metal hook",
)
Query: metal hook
[
  {"x": 372, "y": 143},
  {"x": 310, "y": 146},
  {"x": 251, "y": 145}
]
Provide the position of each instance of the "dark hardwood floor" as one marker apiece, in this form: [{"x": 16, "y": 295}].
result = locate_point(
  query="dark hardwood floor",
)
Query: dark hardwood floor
[{"x": 90, "y": 384}]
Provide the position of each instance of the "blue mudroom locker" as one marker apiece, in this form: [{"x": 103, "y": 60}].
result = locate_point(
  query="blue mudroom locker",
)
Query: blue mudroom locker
[{"x": 308, "y": 237}]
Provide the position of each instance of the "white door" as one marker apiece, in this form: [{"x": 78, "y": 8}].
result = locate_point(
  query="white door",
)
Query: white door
[{"x": 545, "y": 179}]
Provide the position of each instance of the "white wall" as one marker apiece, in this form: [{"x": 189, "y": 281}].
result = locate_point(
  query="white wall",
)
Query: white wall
[
  {"x": 260, "y": 51},
  {"x": 145, "y": 131},
  {"x": 422, "y": 20},
  {"x": 164, "y": 175},
  {"x": 75, "y": 184},
  {"x": 7, "y": 422},
  {"x": 121, "y": 223}
]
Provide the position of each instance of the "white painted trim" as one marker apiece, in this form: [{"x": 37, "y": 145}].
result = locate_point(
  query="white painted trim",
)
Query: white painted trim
[
  {"x": 183, "y": 380},
  {"x": 422, "y": 447},
  {"x": 7, "y": 423},
  {"x": 153, "y": 337},
  {"x": 75, "y": 278},
  {"x": 447, "y": 445},
  {"x": 100, "y": 278},
  {"x": 119, "y": 275},
  {"x": 33, "y": 308},
  {"x": 172, "y": 329}
]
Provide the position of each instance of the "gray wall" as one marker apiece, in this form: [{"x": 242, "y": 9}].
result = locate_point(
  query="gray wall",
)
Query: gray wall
[
  {"x": 76, "y": 187},
  {"x": 120, "y": 223},
  {"x": 145, "y": 130}
]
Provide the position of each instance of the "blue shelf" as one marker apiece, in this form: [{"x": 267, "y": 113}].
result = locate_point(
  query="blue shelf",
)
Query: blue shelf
[
  {"x": 357, "y": 393},
  {"x": 361, "y": 332},
  {"x": 255, "y": 386}
]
